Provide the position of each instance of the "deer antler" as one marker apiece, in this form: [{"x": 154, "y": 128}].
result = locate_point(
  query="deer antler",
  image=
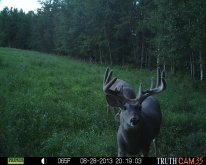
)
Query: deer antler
[
  {"x": 160, "y": 86},
  {"x": 107, "y": 83}
]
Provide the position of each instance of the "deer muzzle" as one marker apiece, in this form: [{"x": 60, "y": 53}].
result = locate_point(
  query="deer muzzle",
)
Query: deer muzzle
[{"x": 134, "y": 121}]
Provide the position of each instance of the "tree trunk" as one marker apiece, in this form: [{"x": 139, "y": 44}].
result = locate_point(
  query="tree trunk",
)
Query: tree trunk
[
  {"x": 201, "y": 68},
  {"x": 149, "y": 62},
  {"x": 192, "y": 65},
  {"x": 172, "y": 69},
  {"x": 110, "y": 53},
  {"x": 146, "y": 59},
  {"x": 123, "y": 60},
  {"x": 142, "y": 54},
  {"x": 164, "y": 66},
  {"x": 100, "y": 55},
  {"x": 158, "y": 60},
  {"x": 134, "y": 52},
  {"x": 108, "y": 44}
]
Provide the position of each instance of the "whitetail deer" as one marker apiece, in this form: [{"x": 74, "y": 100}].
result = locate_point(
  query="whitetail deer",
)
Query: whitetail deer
[{"x": 140, "y": 116}]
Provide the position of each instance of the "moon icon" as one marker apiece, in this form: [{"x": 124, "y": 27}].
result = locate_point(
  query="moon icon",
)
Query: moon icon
[{"x": 43, "y": 161}]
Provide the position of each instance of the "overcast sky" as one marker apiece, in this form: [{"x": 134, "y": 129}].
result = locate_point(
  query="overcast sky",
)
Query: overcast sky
[{"x": 26, "y": 5}]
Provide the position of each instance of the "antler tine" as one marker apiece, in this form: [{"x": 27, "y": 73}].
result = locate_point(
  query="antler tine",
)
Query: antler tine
[
  {"x": 158, "y": 77},
  {"x": 160, "y": 86},
  {"x": 107, "y": 83},
  {"x": 107, "y": 76},
  {"x": 140, "y": 90},
  {"x": 142, "y": 94},
  {"x": 152, "y": 83},
  {"x": 163, "y": 74},
  {"x": 161, "y": 82}
]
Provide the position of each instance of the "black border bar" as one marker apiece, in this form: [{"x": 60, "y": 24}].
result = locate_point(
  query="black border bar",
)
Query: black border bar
[{"x": 104, "y": 160}]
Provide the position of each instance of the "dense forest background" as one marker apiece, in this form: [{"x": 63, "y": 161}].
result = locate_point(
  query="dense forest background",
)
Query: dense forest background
[{"x": 138, "y": 33}]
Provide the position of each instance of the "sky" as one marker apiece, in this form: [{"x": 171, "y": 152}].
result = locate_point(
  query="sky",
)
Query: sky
[{"x": 25, "y": 5}]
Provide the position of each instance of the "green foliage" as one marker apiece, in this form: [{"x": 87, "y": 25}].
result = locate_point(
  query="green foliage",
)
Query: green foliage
[{"x": 54, "y": 106}]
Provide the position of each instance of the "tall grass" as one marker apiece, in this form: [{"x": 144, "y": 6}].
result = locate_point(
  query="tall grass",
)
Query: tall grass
[{"x": 54, "y": 106}]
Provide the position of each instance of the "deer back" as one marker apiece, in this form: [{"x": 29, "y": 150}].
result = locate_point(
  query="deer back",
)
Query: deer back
[{"x": 127, "y": 88}]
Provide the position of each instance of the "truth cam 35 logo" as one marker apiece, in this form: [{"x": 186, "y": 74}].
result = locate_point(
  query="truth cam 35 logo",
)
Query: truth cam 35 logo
[{"x": 181, "y": 161}]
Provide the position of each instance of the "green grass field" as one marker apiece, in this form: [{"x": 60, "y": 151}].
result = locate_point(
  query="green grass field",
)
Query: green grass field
[{"x": 52, "y": 105}]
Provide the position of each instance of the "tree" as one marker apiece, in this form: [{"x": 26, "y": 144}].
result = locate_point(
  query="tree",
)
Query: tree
[{"x": 142, "y": 33}]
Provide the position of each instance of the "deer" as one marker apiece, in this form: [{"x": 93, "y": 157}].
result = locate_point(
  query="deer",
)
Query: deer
[
  {"x": 140, "y": 114},
  {"x": 127, "y": 90}
]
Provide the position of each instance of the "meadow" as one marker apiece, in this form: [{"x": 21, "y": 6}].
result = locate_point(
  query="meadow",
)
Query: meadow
[{"x": 52, "y": 105}]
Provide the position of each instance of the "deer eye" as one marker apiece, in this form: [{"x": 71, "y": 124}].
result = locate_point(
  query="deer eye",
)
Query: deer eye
[{"x": 124, "y": 108}]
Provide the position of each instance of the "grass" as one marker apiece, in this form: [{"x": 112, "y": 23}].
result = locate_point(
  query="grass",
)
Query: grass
[{"x": 54, "y": 106}]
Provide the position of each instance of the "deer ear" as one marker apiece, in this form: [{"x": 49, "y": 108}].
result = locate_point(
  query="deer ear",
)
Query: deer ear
[{"x": 113, "y": 101}]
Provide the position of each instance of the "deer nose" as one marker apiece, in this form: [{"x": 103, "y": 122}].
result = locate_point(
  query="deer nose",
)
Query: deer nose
[{"x": 134, "y": 121}]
